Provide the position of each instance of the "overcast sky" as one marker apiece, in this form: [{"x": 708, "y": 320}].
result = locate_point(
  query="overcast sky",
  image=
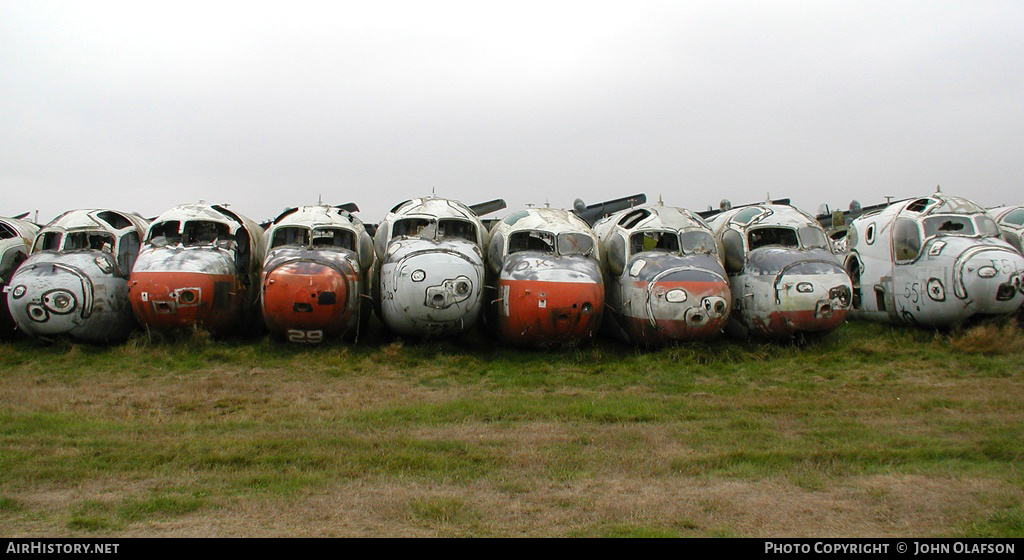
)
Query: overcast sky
[{"x": 143, "y": 105}]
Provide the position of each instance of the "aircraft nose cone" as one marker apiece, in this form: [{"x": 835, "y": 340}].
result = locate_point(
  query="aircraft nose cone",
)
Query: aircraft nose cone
[
  {"x": 307, "y": 296},
  {"x": 685, "y": 304},
  {"x": 993, "y": 282},
  {"x": 432, "y": 292},
  {"x": 49, "y": 300},
  {"x": 806, "y": 303},
  {"x": 549, "y": 301},
  {"x": 173, "y": 288}
]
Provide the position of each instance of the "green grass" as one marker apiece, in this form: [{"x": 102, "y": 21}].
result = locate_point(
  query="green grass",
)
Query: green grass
[{"x": 468, "y": 438}]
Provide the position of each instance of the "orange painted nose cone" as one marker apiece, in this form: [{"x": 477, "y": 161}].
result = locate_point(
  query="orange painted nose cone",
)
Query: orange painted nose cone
[
  {"x": 172, "y": 300},
  {"x": 306, "y": 296},
  {"x": 542, "y": 313}
]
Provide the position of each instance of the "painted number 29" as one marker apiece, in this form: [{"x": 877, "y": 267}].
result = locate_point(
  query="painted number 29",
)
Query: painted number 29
[{"x": 305, "y": 337}]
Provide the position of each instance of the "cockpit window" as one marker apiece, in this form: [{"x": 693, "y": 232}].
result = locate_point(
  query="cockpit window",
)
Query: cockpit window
[
  {"x": 987, "y": 227},
  {"x": 165, "y": 233},
  {"x": 7, "y": 232},
  {"x": 457, "y": 229},
  {"x": 698, "y": 242},
  {"x": 114, "y": 220},
  {"x": 663, "y": 241},
  {"x": 290, "y": 235},
  {"x": 948, "y": 225},
  {"x": 201, "y": 232},
  {"x": 194, "y": 233},
  {"x": 746, "y": 215},
  {"x": 575, "y": 244},
  {"x": 412, "y": 227},
  {"x": 450, "y": 228},
  {"x": 812, "y": 238},
  {"x": 772, "y": 236},
  {"x": 334, "y": 237},
  {"x": 1015, "y": 217},
  {"x": 540, "y": 241},
  {"x": 96, "y": 240}
]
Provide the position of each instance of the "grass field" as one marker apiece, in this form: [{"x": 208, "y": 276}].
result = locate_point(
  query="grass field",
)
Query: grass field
[{"x": 869, "y": 431}]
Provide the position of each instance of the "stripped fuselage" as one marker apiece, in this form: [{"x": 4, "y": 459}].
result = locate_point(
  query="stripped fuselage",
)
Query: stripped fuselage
[
  {"x": 665, "y": 282},
  {"x": 784, "y": 277},
  {"x": 75, "y": 283},
  {"x": 545, "y": 284},
  {"x": 934, "y": 261},
  {"x": 198, "y": 268},
  {"x": 315, "y": 276}
]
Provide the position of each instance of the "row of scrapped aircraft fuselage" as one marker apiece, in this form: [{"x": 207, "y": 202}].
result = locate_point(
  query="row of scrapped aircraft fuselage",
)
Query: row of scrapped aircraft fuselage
[{"x": 540, "y": 277}]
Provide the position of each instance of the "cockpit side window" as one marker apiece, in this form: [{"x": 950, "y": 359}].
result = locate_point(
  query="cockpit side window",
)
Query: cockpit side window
[
  {"x": 7, "y": 232},
  {"x": 290, "y": 235},
  {"x": 96, "y": 240},
  {"x": 457, "y": 229},
  {"x": 663, "y": 241},
  {"x": 127, "y": 251},
  {"x": 987, "y": 227},
  {"x": 906, "y": 239},
  {"x": 539, "y": 241},
  {"x": 49, "y": 241},
  {"x": 772, "y": 236}
]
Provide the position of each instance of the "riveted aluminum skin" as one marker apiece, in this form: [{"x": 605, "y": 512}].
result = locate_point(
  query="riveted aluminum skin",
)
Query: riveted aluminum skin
[
  {"x": 784, "y": 291},
  {"x": 543, "y": 300},
  {"x": 431, "y": 288},
  {"x": 81, "y": 294},
  {"x": 310, "y": 295},
  {"x": 648, "y": 298},
  {"x": 180, "y": 287}
]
